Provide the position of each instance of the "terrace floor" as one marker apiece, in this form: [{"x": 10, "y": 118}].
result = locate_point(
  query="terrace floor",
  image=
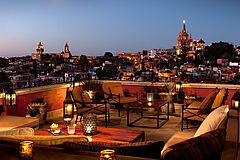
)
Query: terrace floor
[{"x": 168, "y": 129}]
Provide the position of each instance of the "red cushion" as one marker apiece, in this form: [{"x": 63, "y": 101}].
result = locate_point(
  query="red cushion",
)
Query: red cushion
[{"x": 208, "y": 146}]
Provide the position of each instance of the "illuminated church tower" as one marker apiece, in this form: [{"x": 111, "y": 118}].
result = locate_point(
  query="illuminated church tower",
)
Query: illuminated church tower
[
  {"x": 66, "y": 52},
  {"x": 39, "y": 52},
  {"x": 184, "y": 41}
]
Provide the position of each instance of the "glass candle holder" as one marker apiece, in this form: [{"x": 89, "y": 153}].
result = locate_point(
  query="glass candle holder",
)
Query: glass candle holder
[
  {"x": 107, "y": 154},
  {"x": 89, "y": 124},
  {"x": 26, "y": 150},
  {"x": 71, "y": 129},
  {"x": 150, "y": 98}
]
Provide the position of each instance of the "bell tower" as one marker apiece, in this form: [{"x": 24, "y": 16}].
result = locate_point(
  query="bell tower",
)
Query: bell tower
[
  {"x": 66, "y": 52},
  {"x": 39, "y": 48}
]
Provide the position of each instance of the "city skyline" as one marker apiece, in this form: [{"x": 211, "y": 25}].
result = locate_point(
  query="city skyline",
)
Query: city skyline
[{"x": 94, "y": 27}]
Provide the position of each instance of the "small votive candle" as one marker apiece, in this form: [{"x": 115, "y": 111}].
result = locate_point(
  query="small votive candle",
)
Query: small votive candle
[
  {"x": 71, "y": 129},
  {"x": 107, "y": 154},
  {"x": 26, "y": 150}
]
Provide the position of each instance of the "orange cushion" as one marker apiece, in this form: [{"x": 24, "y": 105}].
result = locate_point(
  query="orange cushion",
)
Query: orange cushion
[
  {"x": 116, "y": 89},
  {"x": 207, "y": 102},
  {"x": 219, "y": 98},
  {"x": 77, "y": 91}
]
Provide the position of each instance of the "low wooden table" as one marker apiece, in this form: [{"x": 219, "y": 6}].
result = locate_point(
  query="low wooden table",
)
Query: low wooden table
[
  {"x": 104, "y": 134},
  {"x": 12, "y": 122},
  {"x": 142, "y": 103}
]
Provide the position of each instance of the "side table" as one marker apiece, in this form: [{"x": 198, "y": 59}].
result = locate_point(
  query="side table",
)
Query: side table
[{"x": 170, "y": 98}]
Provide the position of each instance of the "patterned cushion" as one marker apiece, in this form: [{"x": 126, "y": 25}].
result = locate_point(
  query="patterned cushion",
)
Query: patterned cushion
[
  {"x": 207, "y": 102},
  {"x": 205, "y": 147},
  {"x": 139, "y": 149}
]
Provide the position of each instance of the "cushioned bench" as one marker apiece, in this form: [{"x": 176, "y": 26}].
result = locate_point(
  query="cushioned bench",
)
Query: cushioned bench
[{"x": 213, "y": 126}]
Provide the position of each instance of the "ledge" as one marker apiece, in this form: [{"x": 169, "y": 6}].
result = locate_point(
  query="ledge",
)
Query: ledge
[{"x": 132, "y": 83}]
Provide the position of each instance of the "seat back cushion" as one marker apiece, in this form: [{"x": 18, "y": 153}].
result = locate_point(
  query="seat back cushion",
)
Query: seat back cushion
[
  {"x": 113, "y": 88},
  {"x": 218, "y": 101},
  {"x": 145, "y": 149},
  {"x": 205, "y": 147},
  {"x": 214, "y": 120},
  {"x": 207, "y": 102},
  {"x": 77, "y": 91},
  {"x": 116, "y": 89},
  {"x": 86, "y": 97}
]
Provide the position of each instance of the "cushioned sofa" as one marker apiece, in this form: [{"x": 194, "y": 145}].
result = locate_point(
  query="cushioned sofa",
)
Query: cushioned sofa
[{"x": 206, "y": 143}]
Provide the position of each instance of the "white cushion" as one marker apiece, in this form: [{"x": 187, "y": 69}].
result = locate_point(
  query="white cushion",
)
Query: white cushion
[{"x": 213, "y": 120}]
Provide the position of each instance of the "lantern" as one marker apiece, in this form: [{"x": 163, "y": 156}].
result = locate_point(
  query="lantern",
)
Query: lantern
[
  {"x": 235, "y": 101},
  {"x": 2, "y": 96},
  {"x": 178, "y": 87},
  {"x": 26, "y": 150},
  {"x": 180, "y": 92},
  {"x": 10, "y": 97},
  {"x": 68, "y": 106},
  {"x": 150, "y": 98},
  {"x": 89, "y": 124}
]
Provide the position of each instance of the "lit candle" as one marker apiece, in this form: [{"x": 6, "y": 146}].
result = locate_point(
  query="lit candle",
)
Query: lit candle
[
  {"x": 236, "y": 104},
  {"x": 89, "y": 138},
  {"x": 88, "y": 130},
  {"x": 25, "y": 149},
  {"x": 149, "y": 103},
  {"x": 69, "y": 109}
]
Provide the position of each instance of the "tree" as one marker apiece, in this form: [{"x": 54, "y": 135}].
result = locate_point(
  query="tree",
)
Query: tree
[
  {"x": 220, "y": 50},
  {"x": 108, "y": 55}
]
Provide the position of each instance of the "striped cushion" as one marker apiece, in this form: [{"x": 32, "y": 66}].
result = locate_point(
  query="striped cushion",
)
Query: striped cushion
[
  {"x": 205, "y": 147},
  {"x": 145, "y": 149}
]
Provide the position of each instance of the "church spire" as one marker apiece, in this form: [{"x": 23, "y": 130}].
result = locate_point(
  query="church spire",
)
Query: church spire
[
  {"x": 66, "y": 48},
  {"x": 184, "y": 26}
]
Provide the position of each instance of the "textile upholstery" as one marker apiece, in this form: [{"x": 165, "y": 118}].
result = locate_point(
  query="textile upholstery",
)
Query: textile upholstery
[
  {"x": 139, "y": 149},
  {"x": 207, "y": 102},
  {"x": 213, "y": 120},
  {"x": 205, "y": 147},
  {"x": 219, "y": 98}
]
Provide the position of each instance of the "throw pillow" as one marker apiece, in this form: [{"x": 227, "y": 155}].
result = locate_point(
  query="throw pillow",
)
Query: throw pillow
[
  {"x": 205, "y": 147},
  {"x": 138, "y": 149},
  {"x": 213, "y": 120}
]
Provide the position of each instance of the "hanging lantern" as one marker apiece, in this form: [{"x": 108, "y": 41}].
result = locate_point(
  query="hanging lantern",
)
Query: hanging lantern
[
  {"x": 68, "y": 106},
  {"x": 89, "y": 124},
  {"x": 10, "y": 97},
  {"x": 235, "y": 100},
  {"x": 178, "y": 87}
]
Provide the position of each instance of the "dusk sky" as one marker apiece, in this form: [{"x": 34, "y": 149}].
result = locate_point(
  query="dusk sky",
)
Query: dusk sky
[{"x": 92, "y": 27}]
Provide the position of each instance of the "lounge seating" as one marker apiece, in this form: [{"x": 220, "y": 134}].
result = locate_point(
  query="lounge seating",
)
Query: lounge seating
[
  {"x": 113, "y": 91},
  {"x": 206, "y": 143},
  {"x": 198, "y": 111},
  {"x": 84, "y": 104}
]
